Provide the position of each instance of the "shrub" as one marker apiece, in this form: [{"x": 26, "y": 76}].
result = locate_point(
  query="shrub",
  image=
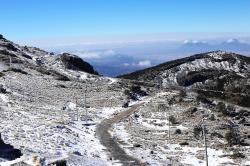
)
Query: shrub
[
  {"x": 190, "y": 111},
  {"x": 202, "y": 98},
  {"x": 221, "y": 107},
  {"x": 138, "y": 90},
  {"x": 126, "y": 92},
  {"x": 125, "y": 105},
  {"x": 216, "y": 134},
  {"x": 197, "y": 131},
  {"x": 172, "y": 119},
  {"x": 62, "y": 78},
  {"x": 2, "y": 89},
  {"x": 134, "y": 92},
  {"x": 183, "y": 93},
  {"x": 18, "y": 70},
  {"x": 171, "y": 101},
  {"x": 228, "y": 110},
  {"x": 232, "y": 137},
  {"x": 237, "y": 154},
  {"x": 184, "y": 143},
  {"x": 60, "y": 86},
  {"x": 177, "y": 131},
  {"x": 43, "y": 70},
  {"x": 2, "y": 74},
  {"x": 212, "y": 117}
]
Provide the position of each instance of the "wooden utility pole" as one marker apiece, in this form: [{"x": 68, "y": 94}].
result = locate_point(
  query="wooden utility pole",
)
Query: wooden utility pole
[
  {"x": 111, "y": 101},
  {"x": 205, "y": 140},
  {"x": 97, "y": 84},
  {"x": 85, "y": 102},
  {"x": 77, "y": 111},
  {"x": 162, "y": 107},
  {"x": 10, "y": 64},
  {"x": 10, "y": 61},
  {"x": 169, "y": 126}
]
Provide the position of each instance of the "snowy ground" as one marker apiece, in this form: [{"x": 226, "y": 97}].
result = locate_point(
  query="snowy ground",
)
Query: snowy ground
[
  {"x": 145, "y": 136},
  {"x": 40, "y": 116},
  {"x": 44, "y": 115},
  {"x": 44, "y": 136}
]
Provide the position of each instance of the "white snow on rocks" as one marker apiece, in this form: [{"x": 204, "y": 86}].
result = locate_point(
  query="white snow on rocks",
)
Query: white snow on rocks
[
  {"x": 4, "y": 98},
  {"x": 3, "y": 67},
  {"x": 217, "y": 54},
  {"x": 38, "y": 124},
  {"x": 215, "y": 157},
  {"x": 170, "y": 76}
]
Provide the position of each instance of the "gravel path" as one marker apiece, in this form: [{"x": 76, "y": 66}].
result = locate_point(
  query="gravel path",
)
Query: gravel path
[{"x": 110, "y": 143}]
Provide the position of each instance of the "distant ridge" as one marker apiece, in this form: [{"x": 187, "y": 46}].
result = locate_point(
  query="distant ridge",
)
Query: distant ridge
[{"x": 216, "y": 71}]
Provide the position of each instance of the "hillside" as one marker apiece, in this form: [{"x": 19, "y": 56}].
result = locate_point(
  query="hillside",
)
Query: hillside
[
  {"x": 216, "y": 71},
  {"x": 57, "y": 110},
  {"x": 16, "y": 56},
  {"x": 50, "y": 105}
]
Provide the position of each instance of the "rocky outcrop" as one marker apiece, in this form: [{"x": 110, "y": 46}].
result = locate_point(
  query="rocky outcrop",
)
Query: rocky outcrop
[
  {"x": 74, "y": 62},
  {"x": 8, "y": 152}
]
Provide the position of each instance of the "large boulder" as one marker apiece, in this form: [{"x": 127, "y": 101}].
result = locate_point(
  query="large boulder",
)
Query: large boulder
[
  {"x": 8, "y": 152},
  {"x": 74, "y": 62}
]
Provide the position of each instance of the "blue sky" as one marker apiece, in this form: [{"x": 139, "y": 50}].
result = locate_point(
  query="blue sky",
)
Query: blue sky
[{"x": 36, "y": 19}]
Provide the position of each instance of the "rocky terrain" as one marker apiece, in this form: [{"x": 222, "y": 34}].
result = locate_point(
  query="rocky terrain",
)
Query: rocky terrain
[
  {"x": 213, "y": 86},
  {"x": 49, "y": 109},
  {"x": 56, "y": 109},
  {"x": 222, "y": 74},
  {"x": 168, "y": 130}
]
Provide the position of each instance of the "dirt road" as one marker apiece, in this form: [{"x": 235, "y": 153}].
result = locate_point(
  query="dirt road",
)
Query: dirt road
[{"x": 110, "y": 143}]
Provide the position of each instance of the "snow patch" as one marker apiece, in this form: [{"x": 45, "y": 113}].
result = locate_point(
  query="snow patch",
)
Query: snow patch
[{"x": 4, "y": 98}]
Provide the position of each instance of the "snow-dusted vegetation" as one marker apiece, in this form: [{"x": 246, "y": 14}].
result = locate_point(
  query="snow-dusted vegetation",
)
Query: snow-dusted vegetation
[
  {"x": 156, "y": 139},
  {"x": 58, "y": 109}
]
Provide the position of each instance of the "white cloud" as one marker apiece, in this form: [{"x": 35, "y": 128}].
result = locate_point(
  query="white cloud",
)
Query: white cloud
[
  {"x": 109, "y": 52},
  {"x": 193, "y": 42},
  {"x": 232, "y": 40},
  {"x": 87, "y": 54},
  {"x": 126, "y": 64},
  {"x": 94, "y": 54},
  {"x": 143, "y": 63},
  {"x": 96, "y": 41}
]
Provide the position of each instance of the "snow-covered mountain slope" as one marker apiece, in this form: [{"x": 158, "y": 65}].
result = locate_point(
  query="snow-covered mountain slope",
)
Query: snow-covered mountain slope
[
  {"x": 52, "y": 109},
  {"x": 63, "y": 65},
  {"x": 50, "y": 106},
  {"x": 171, "y": 72},
  {"x": 218, "y": 70}
]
